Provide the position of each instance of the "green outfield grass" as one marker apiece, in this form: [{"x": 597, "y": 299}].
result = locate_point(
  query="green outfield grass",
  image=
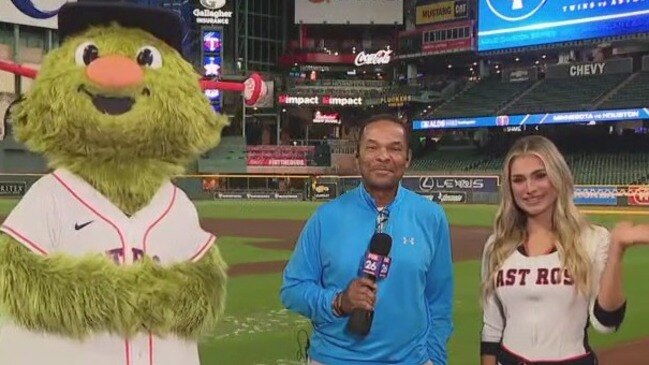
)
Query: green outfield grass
[
  {"x": 257, "y": 330},
  {"x": 237, "y": 250},
  {"x": 480, "y": 215}
]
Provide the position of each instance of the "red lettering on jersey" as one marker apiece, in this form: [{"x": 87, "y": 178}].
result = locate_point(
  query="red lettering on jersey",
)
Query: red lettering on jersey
[
  {"x": 542, "y": 276},
  {"x": 511, "y": 277},
  {"x": 555, "y": 276},
  {"x": 567, "y": 279},
  {"x": 116, "y": 255},
  {"x": 523, "y": 273},
  {"x": 137, "y": 254},
  {"x": 499, "y": 279}
]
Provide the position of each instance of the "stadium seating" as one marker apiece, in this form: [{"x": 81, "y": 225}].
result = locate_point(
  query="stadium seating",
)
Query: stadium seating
[
  {"x": 633, "y": 95},
  {"x": 601, "y": 168},
  {"x": 595, "y": 156},
  {"x": 480, "y": 99},
  {"x": 229, "y": 157},
  {"x": 588, "y": 169},
  {"x": 558, "y": 95},
  {"x": 449, "y": 160}
]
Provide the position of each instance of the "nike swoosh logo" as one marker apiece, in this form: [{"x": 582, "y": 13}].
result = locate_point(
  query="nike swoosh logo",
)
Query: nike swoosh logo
[{"x": 78, "y": 226}]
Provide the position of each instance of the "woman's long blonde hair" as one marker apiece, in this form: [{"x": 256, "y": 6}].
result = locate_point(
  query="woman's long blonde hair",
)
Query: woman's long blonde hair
[{"x": 567, "y": 221}]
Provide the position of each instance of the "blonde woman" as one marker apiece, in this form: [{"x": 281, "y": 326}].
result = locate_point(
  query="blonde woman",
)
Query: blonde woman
[{"x": 546, "y": 272}]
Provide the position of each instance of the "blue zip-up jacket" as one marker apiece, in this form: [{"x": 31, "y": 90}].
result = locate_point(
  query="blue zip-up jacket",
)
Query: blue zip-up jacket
[{"x": 412, "y": 316}]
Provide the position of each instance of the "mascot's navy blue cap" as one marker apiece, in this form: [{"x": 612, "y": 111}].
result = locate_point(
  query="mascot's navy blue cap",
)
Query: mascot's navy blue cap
[{"x": 76, "y": 17}]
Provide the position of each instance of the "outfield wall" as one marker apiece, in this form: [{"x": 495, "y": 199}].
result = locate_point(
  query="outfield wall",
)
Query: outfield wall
[{"x": 446, "y": 189}]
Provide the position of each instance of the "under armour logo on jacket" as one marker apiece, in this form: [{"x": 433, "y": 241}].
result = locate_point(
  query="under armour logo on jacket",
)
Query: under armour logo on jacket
[{"x": 408, "y": 240}]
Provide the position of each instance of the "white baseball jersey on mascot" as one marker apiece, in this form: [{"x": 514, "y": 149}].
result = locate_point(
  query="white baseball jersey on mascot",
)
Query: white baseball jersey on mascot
[
  {"x": 536, "y": 312},
  {"x": 75, "y": 219}
]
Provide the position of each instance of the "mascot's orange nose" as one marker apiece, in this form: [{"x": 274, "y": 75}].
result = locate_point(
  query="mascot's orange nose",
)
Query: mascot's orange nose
[{"x": 114, "y": 72}]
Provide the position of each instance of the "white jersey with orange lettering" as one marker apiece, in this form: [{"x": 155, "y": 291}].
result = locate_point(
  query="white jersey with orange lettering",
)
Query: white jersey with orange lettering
[
  {"x": 537, "y": 315},
  {"x": 61, "y": 213}
]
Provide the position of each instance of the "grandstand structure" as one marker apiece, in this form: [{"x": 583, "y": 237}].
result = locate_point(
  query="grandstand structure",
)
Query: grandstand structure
[
  {"x": 480, "y": 98},
  {"x": 598, "y": 153},
  {"x": 558, "y": 95},
  {"x": 478, "y": 103},
  {"x": 588, "y": 167}
]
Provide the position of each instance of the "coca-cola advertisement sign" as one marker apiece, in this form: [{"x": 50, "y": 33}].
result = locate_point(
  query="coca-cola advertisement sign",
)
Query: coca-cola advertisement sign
[{"x": 381, "y": 57}]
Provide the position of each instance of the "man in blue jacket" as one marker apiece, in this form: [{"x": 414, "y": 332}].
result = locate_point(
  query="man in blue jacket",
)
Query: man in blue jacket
[{"x": 323, "y": 281}]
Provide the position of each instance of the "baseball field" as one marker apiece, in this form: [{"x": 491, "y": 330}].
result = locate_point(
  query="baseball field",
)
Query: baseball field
[{"x": 256, "y": 239}]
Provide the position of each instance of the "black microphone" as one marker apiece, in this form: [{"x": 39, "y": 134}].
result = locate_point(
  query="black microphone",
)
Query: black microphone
[{"x": 375, "y": 264}]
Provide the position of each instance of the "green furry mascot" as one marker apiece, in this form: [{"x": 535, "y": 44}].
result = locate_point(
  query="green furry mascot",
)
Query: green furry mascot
[{"x": 103, "y": 261}]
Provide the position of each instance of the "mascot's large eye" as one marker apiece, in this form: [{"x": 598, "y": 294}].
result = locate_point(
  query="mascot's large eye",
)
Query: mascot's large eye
[
  {"x": 149, "y": 56},
  {"x": 86, "y": 52}
]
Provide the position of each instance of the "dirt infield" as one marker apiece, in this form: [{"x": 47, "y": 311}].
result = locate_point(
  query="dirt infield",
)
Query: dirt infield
[
  {"x": 632, "y": 353},
  {"x": 467, "y": 245},
  {"x": 467, "y": 241}
]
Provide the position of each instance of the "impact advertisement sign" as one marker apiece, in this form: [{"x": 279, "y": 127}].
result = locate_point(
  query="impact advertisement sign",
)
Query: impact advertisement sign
[
  {"x": 520, "y": 23},
  {"x": 285, "y": 99}
]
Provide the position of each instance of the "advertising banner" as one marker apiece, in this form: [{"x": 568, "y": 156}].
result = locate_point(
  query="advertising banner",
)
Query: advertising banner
[
  {"x": 285, "y": 99},
  {"x": 212, "y": 56},
  {"x": 212, "y": 12},
  {"x": 13, "y": 188},
  {"x": 269, "y": 161},
  {"x": 442, "y": 47},
  {"x": 326, "y": 118},
  {"x": 349, "y": 12},
  {"x": 584, "y": 69},
  {"x": 534, "y": 119},
  {"x": 520, "y": 75},
  {"x": 432, "y": 185},
  {"x": 35, "y": 13},
  {"x": 279, "y": 155},
  {"x": 324, "y": 191},
  {"x": 447, "y": 37},
  {"x": 441, "y": 12},
  {"x": 257, "y": 195},
  {"x": 520, "y": 23},
  {"x": 447, "y": 197},
  {"x": 638, "y": 195},
  {"x": 596, "y": 195}
]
